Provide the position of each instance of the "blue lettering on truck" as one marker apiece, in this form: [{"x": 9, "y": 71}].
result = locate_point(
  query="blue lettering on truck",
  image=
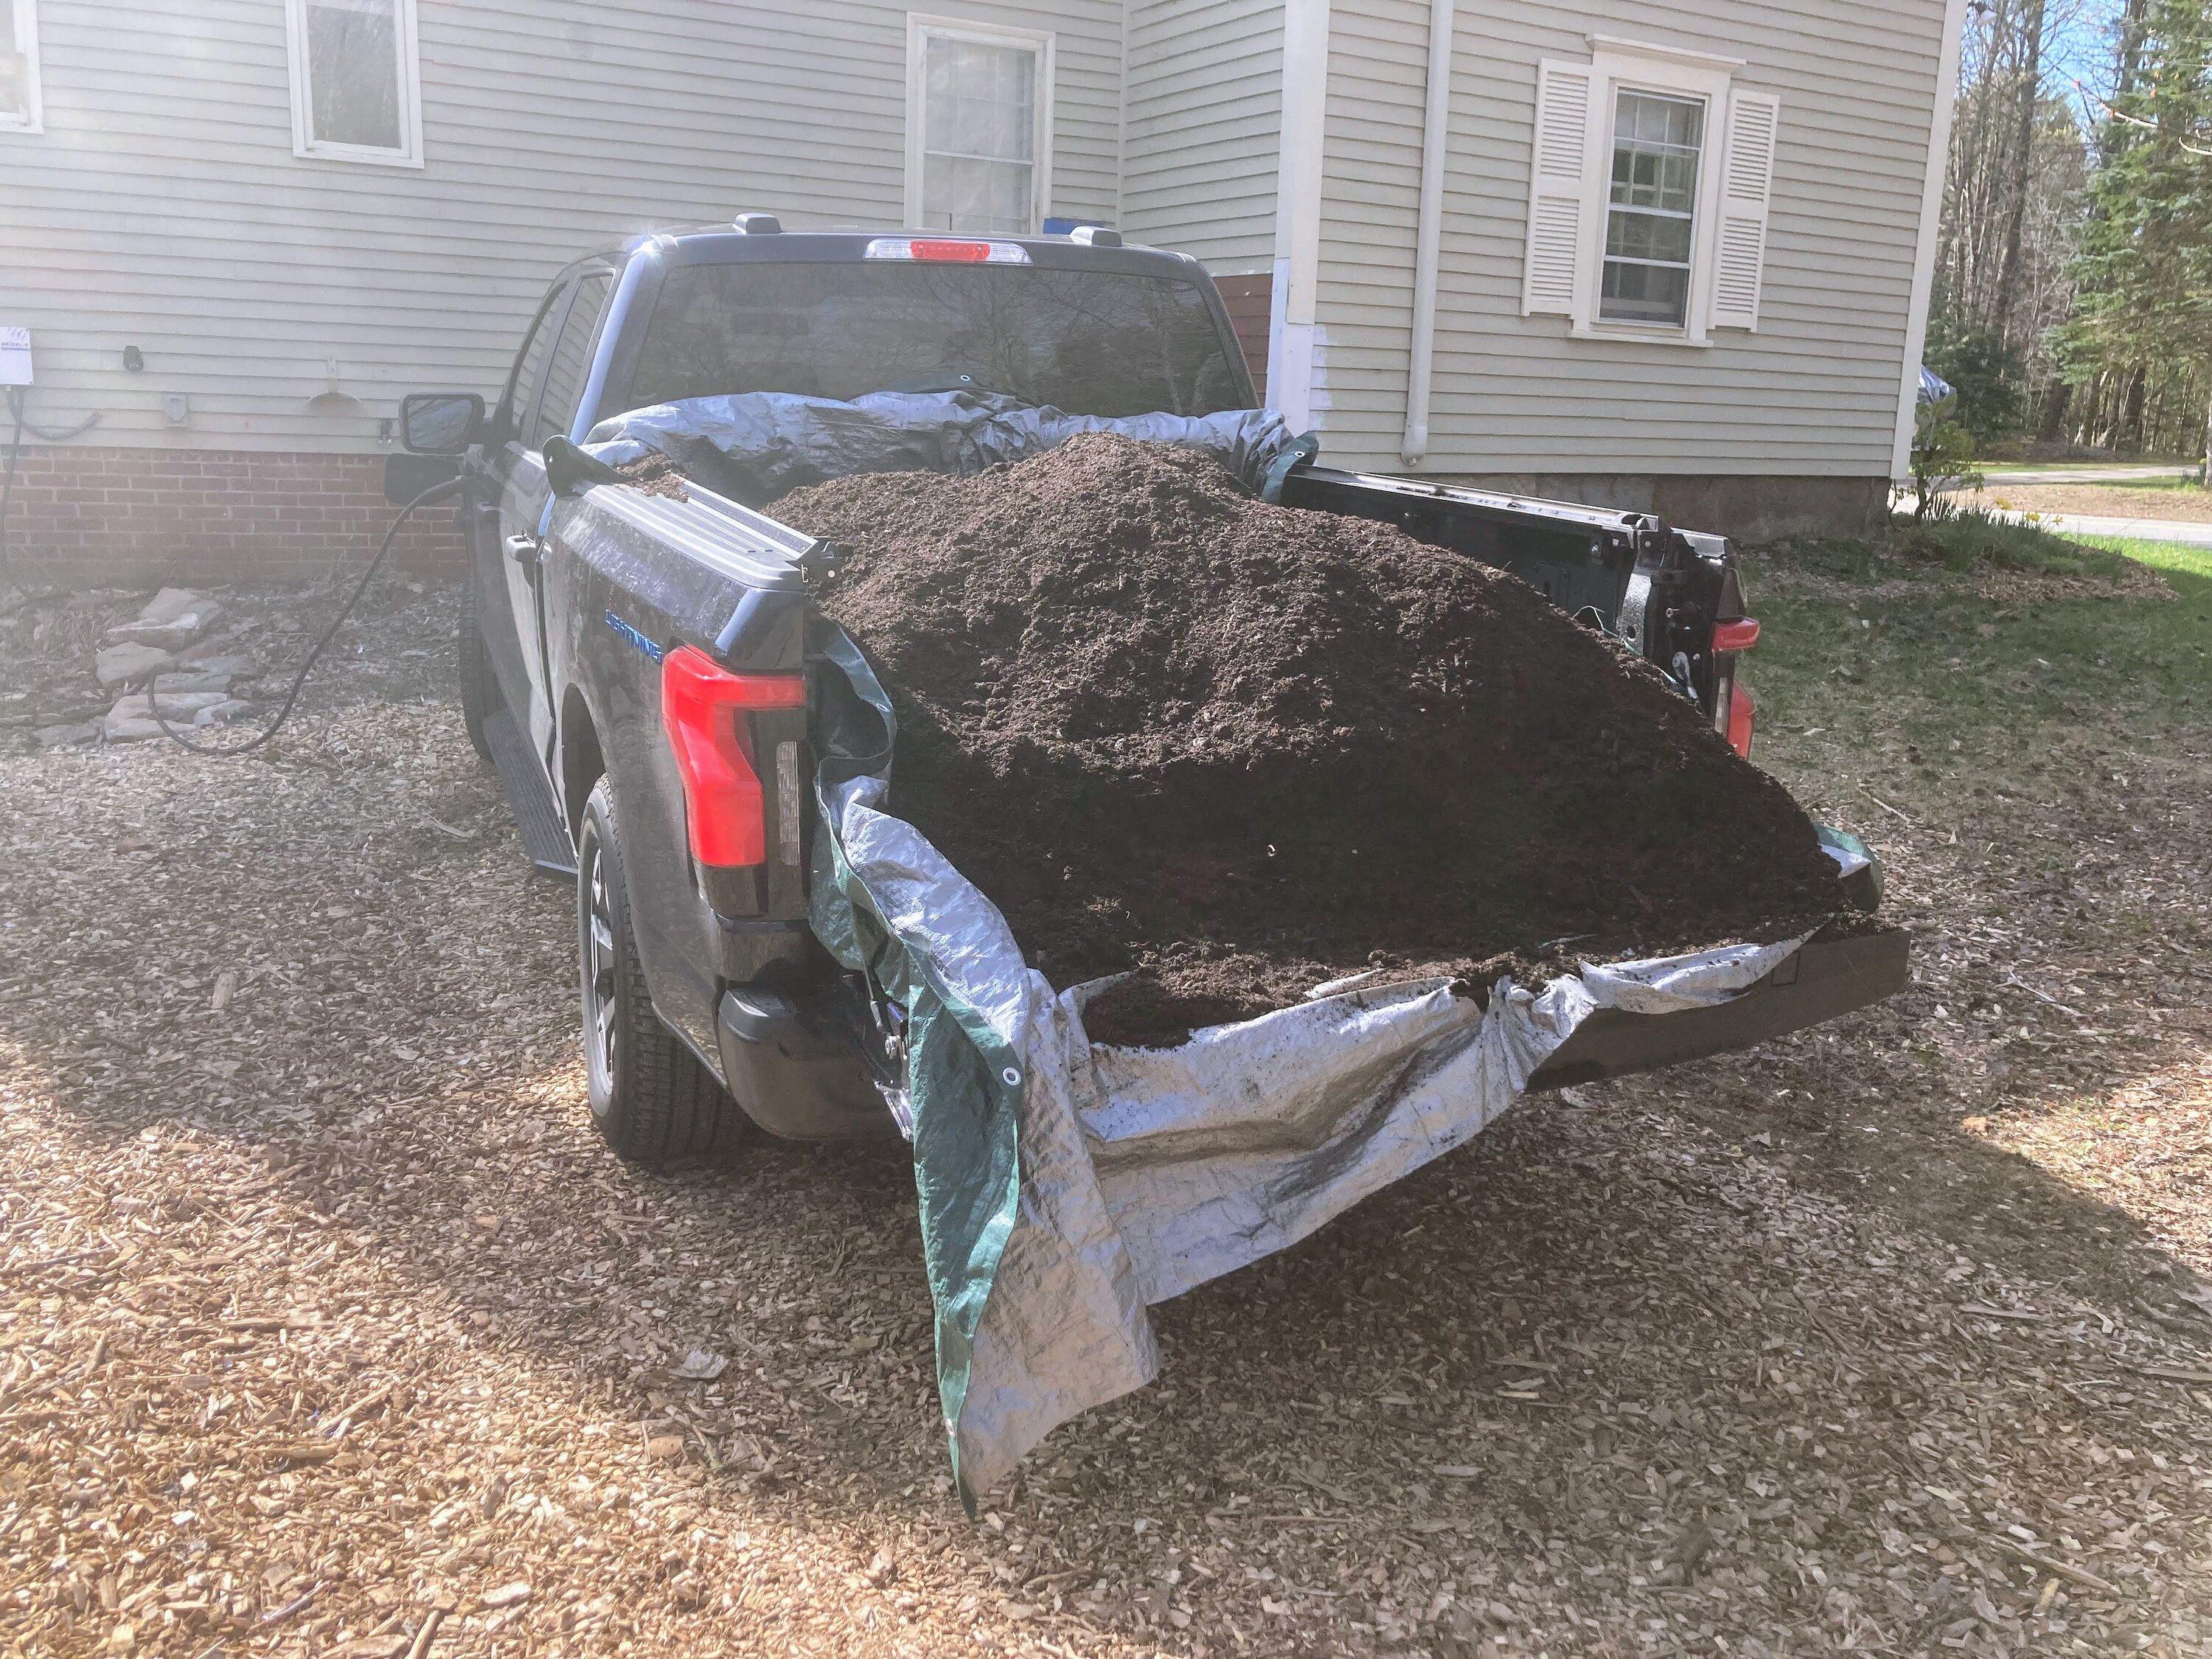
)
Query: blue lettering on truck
[{"x": 630, "y": 632}]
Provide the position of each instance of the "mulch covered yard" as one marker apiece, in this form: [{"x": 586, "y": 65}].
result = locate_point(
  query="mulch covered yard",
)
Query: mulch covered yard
[{"x": 328, "y": 1326}]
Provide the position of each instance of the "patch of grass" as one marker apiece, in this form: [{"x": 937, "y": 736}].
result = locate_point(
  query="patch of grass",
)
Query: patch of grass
[
  {"x": 2189, "y": 486},
  {"x": 2173, "y": 558},
  {"x": 1972, "y": 539},
  {"x": 2091, "y": 464},
  {"x": 2080, "y": 463},
  {"x": 1887, "y": 652}
]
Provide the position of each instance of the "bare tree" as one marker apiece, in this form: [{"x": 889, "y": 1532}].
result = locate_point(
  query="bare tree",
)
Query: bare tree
[
  {"x": 2029, "y": 97},
  {"x": 2013, "y": 193}
]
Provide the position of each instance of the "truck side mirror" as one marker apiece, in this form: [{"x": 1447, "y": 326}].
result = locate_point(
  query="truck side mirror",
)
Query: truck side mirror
[{"x": 439, "y": 422}]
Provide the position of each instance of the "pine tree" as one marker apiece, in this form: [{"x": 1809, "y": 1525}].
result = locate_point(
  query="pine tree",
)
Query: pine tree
[{"x": 2144, "y": 276}]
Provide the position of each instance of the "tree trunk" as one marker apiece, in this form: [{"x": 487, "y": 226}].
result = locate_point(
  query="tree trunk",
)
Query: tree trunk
[
  {"x": 2031, "y": 89},
  {"x": 2054, "y": 412},
  {"x": 2129, "y": 425},
  {"x": 2127, "y": 57},
  {"x": 2205, "y": 477}
]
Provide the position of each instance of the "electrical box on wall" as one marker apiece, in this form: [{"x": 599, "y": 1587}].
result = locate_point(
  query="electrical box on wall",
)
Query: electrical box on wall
[{"x": 15, "y": 355}]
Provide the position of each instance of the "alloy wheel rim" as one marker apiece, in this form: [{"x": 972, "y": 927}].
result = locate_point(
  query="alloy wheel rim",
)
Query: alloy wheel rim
[{"x": 599, "y": 966}]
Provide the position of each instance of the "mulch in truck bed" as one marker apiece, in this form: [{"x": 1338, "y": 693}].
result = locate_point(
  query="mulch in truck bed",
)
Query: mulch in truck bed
[
  {"x": 1239, "y": 750},
  {"x": 656, "y": 475}
]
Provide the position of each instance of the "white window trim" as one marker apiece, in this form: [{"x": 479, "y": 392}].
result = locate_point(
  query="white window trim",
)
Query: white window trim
[
  {"x": 921, "y": 28},
  {"x": 1620, "y": 66},
  {"x": 34, "y": 118},
  {"x": 306, "y": 146}
]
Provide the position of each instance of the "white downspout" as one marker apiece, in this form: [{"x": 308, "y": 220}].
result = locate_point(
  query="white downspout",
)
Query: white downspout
[
  {"x": 1435, "y": 140},
  {"x": 1121, "y": 130},
  {"x": 1293, "y": 330},
  {"x": 1931, "y": 213}
]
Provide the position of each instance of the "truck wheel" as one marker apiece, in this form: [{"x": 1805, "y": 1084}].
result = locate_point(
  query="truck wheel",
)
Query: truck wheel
[
  {"x": 649, "y": 1095},
  {"x": 480, "y": 698}
]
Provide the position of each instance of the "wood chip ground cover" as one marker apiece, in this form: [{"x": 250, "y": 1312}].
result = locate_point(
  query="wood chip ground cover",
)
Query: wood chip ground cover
[{"x": 327, "y": 1327}]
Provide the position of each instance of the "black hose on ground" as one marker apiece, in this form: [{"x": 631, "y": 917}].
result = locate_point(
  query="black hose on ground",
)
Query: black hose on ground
[{"x": 435, "y": 492}]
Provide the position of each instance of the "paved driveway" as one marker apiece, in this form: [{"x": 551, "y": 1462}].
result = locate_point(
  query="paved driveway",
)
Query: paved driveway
[
  {"x": 2052, "y": 475},
  {"x": 2141, "y": 529}
]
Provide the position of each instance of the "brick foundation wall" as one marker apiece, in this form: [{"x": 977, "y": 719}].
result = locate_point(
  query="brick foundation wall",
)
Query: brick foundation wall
[{"x": 85, "y": 516}]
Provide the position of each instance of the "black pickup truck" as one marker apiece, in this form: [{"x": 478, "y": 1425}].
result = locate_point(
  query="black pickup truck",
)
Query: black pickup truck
[{"x": 635, "y": 664}]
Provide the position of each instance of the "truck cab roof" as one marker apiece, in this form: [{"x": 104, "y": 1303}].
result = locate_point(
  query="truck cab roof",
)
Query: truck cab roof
[{"x": 727, "y": 244}]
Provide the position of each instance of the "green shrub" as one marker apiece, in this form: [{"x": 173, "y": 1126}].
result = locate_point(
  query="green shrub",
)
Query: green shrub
[
  {"x": 1987, "y": 375},
  {"x": 1943, "y": 461},
  {"x": 1972, "y": 539}
]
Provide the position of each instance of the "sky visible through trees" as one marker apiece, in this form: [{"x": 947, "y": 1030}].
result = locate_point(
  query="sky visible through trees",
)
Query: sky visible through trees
[{"x": 2072, "y": 247}]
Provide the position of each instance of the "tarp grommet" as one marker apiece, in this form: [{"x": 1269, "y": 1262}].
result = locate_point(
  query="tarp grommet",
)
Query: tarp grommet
[{"x": 1012, "y": 1077}]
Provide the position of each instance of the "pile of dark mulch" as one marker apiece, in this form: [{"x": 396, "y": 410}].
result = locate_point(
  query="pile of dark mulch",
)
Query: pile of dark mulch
[{"x": 1243, "y": 749}]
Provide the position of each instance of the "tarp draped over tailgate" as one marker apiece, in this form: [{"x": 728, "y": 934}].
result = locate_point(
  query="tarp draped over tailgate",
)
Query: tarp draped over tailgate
[{"x": 1065, "y": 1187}]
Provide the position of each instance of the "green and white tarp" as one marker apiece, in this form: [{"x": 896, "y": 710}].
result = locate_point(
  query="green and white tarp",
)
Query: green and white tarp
[{"x": 1066, "y": 1187}]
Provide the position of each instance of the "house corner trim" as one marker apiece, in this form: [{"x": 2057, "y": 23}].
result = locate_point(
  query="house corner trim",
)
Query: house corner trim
[
  {"x": 1923, "y": 261},
  {"x": 1292, "y": 331}
]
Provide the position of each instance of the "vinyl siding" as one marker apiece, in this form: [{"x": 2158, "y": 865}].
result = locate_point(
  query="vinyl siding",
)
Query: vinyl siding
[
  {"x": 1205, "y": 114},
  {"x": 1813, "y": 390},
  {"x": 163, "y": 208}
]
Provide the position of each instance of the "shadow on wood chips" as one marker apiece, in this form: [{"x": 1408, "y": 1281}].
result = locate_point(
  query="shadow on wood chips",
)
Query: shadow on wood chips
[{"x": 1243, "y": 749}]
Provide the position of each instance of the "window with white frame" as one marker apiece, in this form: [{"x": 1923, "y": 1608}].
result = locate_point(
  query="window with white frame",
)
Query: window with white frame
[
  {"x": 356, "y": 80},
  {"x": 19, "y": 66},
  {"x": 1650, "y": 221},
  {"x": 979, "y": 125},
  {"x": 1648, "y": 194}
]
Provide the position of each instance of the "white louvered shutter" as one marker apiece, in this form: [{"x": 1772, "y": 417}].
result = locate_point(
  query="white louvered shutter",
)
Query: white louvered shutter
[
  {"x": 1556, "y": 188},
  {"x": 1746, "y": 181}
]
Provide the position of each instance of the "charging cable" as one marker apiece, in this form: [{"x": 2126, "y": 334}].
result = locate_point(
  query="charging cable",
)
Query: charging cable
[
  {"x": 435, "y": 492},
  {"x": 19, "y": 402}
]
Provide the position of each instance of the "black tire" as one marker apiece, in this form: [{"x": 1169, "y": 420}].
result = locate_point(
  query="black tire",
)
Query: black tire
[
  {"x": 649, "y": 1095},
  {"x": 480, "y": 698}
]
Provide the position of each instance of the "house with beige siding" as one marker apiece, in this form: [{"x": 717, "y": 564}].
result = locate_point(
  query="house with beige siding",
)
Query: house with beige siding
[{"x": 1666, "y": 255}]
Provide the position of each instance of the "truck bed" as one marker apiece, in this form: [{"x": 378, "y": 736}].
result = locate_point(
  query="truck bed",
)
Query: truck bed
[{"x": 1581, "y": 557}]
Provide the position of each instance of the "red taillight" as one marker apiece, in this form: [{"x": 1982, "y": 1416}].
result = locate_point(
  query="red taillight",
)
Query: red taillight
[
  {"x": 1742, "y": 713},
  {"x": 1738, "y": 635},
  {"x": 703, "y": 708}
]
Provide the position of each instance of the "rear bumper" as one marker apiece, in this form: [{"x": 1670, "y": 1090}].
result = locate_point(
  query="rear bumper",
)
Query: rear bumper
[
  {"x": 793, "y": 1069},
  {"x": 1828, "y": 978}
]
